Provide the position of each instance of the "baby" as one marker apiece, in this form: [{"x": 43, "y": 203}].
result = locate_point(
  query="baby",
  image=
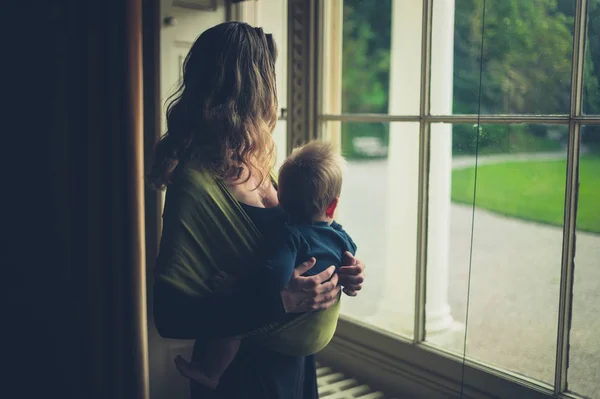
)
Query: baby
[{"x": 309, "y": 187}]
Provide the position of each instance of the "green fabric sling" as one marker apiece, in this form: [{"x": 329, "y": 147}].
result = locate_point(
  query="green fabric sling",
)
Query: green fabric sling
[{"x": 205, "y": 230}]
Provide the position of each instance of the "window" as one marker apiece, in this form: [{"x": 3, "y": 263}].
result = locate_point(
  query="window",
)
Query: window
[
  {"x": 472, "y": 134},
  {"x": 584, "y": 355}
]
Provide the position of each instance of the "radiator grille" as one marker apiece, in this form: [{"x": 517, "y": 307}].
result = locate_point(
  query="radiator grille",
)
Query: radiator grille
[{"x": 334, "y": 385}]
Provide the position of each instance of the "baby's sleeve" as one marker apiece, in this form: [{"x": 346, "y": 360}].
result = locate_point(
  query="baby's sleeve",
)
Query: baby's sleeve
[
  {"x": 282, "y": 253},
  {"x": 351, "y": 246}
]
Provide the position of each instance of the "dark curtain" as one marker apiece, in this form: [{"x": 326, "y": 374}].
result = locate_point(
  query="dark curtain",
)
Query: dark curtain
[{"x": 74, "y": 260}]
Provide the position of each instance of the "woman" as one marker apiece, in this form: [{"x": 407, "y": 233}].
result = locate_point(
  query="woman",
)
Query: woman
[{"x": 220, "y": 125}]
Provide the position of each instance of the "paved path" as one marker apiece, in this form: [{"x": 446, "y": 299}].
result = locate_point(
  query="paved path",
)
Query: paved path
[{"x": 515, "y": 277}]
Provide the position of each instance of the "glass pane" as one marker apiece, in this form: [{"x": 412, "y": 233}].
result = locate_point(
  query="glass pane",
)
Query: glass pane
[
  {"x": 378, "y": 209},
  {"x": 380, "y": 67},
  {"x": 584, "y": 362},
  {"x": 527, "y": 48},
  {"x": 591, "y": 92},
  {"x": 516, "y": 249}
]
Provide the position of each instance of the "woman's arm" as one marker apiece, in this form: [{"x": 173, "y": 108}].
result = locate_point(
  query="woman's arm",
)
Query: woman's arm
[
  {"x": 180, "y": 316},
  {"x": 321, "y": 293},
  {"x": 180, "y": 309},
  {"x": 352, "y": 271},
  {"x": 304, "y": 294}
]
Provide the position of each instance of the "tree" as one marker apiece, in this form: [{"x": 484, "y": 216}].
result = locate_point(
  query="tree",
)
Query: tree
[
  {"x": 366, "y": 55},
  {"x": 526, "y": 57},
  {"x": 366, "y": 67},
  {"x": 524, "y": 68}
]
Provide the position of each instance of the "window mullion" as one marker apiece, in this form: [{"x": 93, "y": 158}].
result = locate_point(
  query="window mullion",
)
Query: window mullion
[
  {"x": 570, "y": 211},
  {"x": 423, "y": 189},
  {"x": 485, "y": 119}
]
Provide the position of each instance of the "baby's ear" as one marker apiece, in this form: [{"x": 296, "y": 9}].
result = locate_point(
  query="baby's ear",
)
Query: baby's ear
[{"x": 332, "y": 207}]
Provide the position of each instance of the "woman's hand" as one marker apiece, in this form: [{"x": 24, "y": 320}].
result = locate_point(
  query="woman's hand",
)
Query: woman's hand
[
  {"x": 305, "y": 294},
  {"x": 352, "y": 274}
]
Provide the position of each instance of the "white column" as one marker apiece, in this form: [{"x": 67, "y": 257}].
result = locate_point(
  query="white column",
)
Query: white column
[
  {"x": 440, "y": 174},
  {"x": 396, "y": 310}
]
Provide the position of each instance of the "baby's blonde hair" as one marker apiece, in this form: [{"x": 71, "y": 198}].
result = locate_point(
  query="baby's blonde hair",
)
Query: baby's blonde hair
[{"x": 310, "y": 179}]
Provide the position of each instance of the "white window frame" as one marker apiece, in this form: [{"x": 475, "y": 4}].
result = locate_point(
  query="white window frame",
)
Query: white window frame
[{"x": 415, "y": 366}]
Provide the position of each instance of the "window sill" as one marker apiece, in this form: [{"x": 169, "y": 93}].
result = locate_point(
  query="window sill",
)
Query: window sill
[{"x": 399, "y": 367}]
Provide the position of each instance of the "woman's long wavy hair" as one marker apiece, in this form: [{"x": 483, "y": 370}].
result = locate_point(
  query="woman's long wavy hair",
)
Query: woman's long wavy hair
[{"x": 225, "y": 110}]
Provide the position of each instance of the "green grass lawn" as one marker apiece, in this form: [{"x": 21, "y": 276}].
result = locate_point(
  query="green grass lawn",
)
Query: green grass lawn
[{"x": 532, "y": 190}]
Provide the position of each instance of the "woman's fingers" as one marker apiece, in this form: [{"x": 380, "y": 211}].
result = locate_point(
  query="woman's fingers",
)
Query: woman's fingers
[
  {"x": 350, "y": 279},
  {"x": 351, "y": 270},
  {"x": 349, "y": 259},
  {"x": 325, "y": 275},
  {"x": 352, "y": 287},
  {"x": 327, "y": 286},
  {"x": 318, "y": 292},
  {"x": 313, "y": 283},
  {"x": 335, "y": 280},
  {"x": 304, "y": 267},
  {"x": 320, "y": 295},
  {"x": 352, "y": 276},
  {"x": 325, "y": 294},
  {"x": 325, "y": 300}
]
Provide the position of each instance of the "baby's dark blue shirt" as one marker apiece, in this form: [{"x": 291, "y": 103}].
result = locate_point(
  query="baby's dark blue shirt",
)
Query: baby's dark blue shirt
[{"x": 287, "y": 245}]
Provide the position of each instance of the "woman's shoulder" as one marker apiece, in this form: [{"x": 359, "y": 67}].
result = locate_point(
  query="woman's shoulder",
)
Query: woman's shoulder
[
  {"x": 195, "y": 181},
  {"x": 193, "y": 190},
  {"x": 192, "y": 174}
]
